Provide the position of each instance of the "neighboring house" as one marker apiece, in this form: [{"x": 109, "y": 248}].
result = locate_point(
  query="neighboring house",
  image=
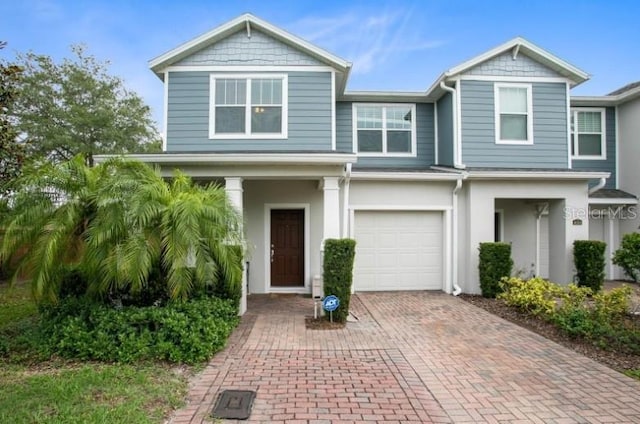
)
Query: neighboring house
[{"x": 495, "y": 149}]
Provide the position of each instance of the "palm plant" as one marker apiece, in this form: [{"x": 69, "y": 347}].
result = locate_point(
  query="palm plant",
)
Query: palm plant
[
  {"x": 47, "y": 221},
  {"x": 122, "y": 225},
  {"x": 190, "y": 232}
]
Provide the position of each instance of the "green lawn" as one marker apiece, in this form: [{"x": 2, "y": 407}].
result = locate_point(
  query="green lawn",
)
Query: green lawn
[{"x": 60, "y": 392}]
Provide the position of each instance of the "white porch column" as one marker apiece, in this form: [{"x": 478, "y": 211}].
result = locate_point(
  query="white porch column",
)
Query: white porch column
[
  {"x": 233, "y": 187},
  {"x": 568, "y": 221},
  {"x": 480, "y": 223},
  {"x": 331, "y": 220}
]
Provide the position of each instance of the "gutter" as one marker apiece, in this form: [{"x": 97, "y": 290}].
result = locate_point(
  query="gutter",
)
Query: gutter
[
  {"x": 456, "y": 139},
  {"x": 598, "y": 186},
  {"x": 454, "y": 237},
  {"x": 345, "y": 201}
]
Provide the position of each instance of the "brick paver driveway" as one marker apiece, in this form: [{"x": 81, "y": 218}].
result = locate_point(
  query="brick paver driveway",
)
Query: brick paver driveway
[{"x": 411, "y": 357}]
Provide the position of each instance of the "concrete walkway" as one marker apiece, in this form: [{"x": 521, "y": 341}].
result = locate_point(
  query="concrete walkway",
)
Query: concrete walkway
[{"x": 411, "y": 357}]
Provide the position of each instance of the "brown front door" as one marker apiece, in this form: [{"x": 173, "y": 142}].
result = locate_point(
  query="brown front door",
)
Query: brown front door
[{"x": 287, "y": 247}]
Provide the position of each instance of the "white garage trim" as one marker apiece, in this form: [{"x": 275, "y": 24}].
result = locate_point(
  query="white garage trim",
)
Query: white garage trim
[{"x": 445, "y": 232}]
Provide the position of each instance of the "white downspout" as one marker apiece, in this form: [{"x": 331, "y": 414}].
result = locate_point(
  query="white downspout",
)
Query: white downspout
[
  {"x": 539, "y": 211},
  {"x": 457, "y": 160},
  {"x": 345, "y": 201},
  {"x": 454, "y": 242},
  {"x": 598, "y": 186}
]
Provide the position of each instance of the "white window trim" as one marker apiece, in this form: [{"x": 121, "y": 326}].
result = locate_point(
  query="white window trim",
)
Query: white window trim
[
  {"x": 603, "y": 127},
  {"x": 247, "y": 134},
  {"x": 496, "y": 97},
  {"x": 354, "y": 111}
]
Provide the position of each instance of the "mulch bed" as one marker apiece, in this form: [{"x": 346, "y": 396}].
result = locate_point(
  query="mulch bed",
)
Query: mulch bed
[
  {"x": 322, "y": 323},
  {"x": 620, "y": 361}
]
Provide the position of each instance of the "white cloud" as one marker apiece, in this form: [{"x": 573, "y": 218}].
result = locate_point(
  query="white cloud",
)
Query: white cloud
[{"x": 368, "y": 38}]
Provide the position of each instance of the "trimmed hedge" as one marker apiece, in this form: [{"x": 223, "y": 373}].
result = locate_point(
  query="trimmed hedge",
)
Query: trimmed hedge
[
  {"x": 338, "y": 273},
  {"x": 588, "y": 257},
  {"x": 185, "y": 332},
  {"x": 495, "y": 264},
  {"x": 628, "y": 256}
]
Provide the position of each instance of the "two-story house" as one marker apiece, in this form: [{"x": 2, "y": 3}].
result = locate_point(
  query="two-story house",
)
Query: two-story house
[{"x": 495, "y": 149}]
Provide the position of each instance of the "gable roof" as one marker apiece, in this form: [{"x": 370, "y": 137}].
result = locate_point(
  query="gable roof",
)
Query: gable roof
[
  {"x": 246, "y": 21},
  {"x": 516, "y": 45}
]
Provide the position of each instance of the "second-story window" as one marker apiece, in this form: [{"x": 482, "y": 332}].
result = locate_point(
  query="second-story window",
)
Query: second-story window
[
  {"x": 388, "y": 130},
  {"x": 514, "y": 123},
  {"x": 588, "y": 133},
  {"x": 248, "y": 106}
]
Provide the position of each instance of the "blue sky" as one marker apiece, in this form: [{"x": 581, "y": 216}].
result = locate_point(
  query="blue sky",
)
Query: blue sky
[{"x": 394, "y": 45}]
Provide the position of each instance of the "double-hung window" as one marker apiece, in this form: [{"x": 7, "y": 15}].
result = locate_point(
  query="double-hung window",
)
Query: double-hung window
[
  {"x": 513, "y": 113},
  {"x": 384, "y": 130},
  {"x": 588, "y": 133},
  {"x": 248, "y": 106}
]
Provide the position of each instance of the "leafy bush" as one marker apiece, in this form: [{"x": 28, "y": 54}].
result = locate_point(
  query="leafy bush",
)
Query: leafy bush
[
  {"x": 612, "y": 304},
  {"x": 495, "y": 264},
  {"x": 628, "y": 256},
  {"x": 588, "y": 257},
  {"x": 536, "y": 296},
  {"x": 338, "y": 273},
  {"x": 188, "y": 332},
  {"x": 600, "y": 318}
]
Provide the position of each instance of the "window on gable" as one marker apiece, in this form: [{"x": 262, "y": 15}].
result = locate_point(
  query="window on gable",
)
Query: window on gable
[
  {"x": 252, "y": 106},
  {"x": 513, "y": 105},
  {"x": 384, "y": 130},
  {"x": 588, "y": 134}
]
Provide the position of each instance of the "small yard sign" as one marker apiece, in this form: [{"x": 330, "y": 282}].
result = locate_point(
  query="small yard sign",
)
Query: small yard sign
[{"x": 330, "y": 304}]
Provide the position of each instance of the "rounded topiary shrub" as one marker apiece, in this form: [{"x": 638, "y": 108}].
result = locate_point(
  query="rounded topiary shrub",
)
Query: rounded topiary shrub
[
  {"x": 495, "y": 264},
  {"x": 588, "y": 257}
]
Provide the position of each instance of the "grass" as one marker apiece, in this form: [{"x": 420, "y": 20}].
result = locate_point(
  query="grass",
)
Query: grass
[
  {"x": 15, "y": 304},
  {"x": 88, "y": 393},
  {"x": 633, "y": 373},
  {"x": 53, "y": 391}
]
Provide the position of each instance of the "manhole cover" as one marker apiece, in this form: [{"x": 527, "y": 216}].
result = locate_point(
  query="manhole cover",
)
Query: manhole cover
[{"x": 234, "y": 404}]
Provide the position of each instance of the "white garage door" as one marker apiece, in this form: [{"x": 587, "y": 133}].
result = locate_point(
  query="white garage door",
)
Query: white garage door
[{"x": 398, "y": 250}]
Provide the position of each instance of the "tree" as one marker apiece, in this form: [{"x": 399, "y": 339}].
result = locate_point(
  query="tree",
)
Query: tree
[
  {"x": 11, "y": 152},
  {"x": 124, "y": 228},
  {"x": 76, "y": 107}
]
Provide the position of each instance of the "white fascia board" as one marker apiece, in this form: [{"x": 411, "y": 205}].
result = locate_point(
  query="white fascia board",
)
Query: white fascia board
[
  {"x": 238, "y": 23},
  {"x": 613, "y": 201},
  {"x": 386, "y": 96},
  {"x": 578, "y": 101},
  {"x": 404, "y": 176},
  {"x": 242, "y": 158},
  {"x": 605, "y": 100},
  {"x": 535, "y": 175},
  {"x": 576, "y": 75}
]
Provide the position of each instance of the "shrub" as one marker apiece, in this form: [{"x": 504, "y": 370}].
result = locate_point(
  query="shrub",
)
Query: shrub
[
  {"x": 588, "y": 257},
  {"x": 495, "y": 263},
  {"x": 536, "y": 296},
  {"x": 338, "y": 273},
  {"x": 613, "y": 304},
  {"x": 628, "y": 256},
  {"x": 72, "y": 283},
  {"x": 189, "y": 332}
]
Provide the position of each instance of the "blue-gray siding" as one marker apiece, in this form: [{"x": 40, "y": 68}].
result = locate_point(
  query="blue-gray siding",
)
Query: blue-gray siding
[
  {"x": 445, "y": 130},
  {"x": 550, "y": 144},
  {"x": 424, "y": 139},
  {"x": 309, "y": 115},
  {"x": 608, "y": 164}
]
